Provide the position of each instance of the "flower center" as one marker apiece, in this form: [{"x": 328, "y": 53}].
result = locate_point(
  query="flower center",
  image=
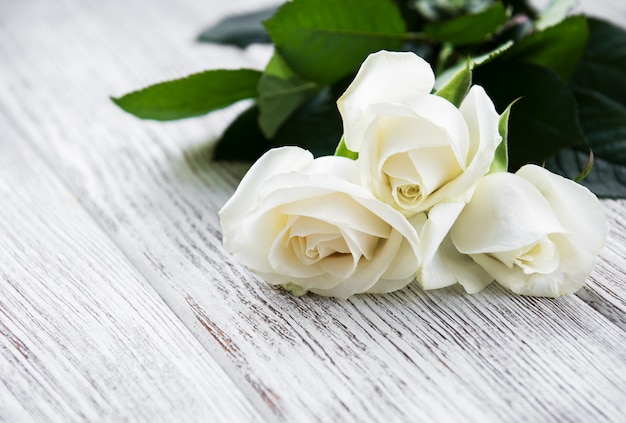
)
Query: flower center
[
  {"x": 539, "y": 257},
  {"x": 315, "y": 247},
  {"x": 312, "y": 253},
  {"x": 415, "y": 174},
  {"x": 410, "y": 192}
]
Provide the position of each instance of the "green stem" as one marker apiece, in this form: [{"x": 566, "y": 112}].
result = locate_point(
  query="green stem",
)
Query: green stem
[
  {"x": 445, "y": 53},
  {"x": 416, "y": 36}
]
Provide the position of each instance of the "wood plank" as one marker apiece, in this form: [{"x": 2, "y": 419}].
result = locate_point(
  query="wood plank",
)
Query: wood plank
[
  {"x": 409, "y": 356},
  {"x": 606, "y": 289},
  {"x": 83, "y": 336}
]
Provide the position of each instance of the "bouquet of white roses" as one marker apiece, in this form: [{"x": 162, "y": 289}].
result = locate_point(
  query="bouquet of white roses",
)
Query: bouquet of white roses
[
  {"x": 411, "y": 179},
  {"x": 418, "y": 187}
]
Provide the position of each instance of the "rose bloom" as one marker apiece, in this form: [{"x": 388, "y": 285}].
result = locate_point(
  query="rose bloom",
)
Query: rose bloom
[
  {"x": 416, "y": 149},
  {"x": 534, "y": 232},
  {"x": 309, "y": 225}
]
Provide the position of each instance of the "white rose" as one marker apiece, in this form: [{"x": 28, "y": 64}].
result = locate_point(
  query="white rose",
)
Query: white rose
[
  {"x": 534, "y": 232},
  {"x": 310, "y": 226},
  {"x": 416, "y": 149}
]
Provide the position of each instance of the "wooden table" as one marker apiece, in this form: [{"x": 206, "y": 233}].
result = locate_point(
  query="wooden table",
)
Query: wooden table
[{"x": 119, "y": 303}]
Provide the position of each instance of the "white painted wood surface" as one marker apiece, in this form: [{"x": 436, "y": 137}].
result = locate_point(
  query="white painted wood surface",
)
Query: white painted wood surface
[
  {"x": 84, "y": 336},
  {"x": 118, "y": 302}
]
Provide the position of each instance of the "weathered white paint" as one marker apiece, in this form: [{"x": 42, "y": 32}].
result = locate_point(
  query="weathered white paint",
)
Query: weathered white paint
[
  {"x": 606, "y": 289},
  {"x": 409, "y": 356},
  {"x": 83, "y": 336}
]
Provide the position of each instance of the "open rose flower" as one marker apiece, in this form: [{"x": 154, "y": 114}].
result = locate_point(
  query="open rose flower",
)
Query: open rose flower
[
  {"x": 310, "y": 226},
  {"x": 534, "y": 232},
  {"x": 416, "y": 149}
]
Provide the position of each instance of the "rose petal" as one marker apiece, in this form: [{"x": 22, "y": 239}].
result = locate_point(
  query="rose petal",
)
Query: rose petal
[
  {"x": 361, "y": 243},
  {"x": 414, "y": 117},
  {"x": 482, "y": 122},
  {"x": 505, "y": 213},
  {"x": 307, "y": 227},
  {"x": 245, "y": 197},
  {"x": 369, "y": 272},
  {"x": 383, "y": 77},
  {"x": 540, "y": 257},
  {"x": 436, "y": 167},
  {"x": 417, "y": 151},
  {"x": 284, "y": 260},
  {"x": 563, "y": 282},
  {"x": 338, "y": 209},
  {"x": 586, "y": 219},
  {"x": 436, "y": 227},
  {"x": 255, "y": 237},
  {"x": 339, "y": 167},
  {"x": 443, "y": 264},
  {"x": 340, "y": 266}
]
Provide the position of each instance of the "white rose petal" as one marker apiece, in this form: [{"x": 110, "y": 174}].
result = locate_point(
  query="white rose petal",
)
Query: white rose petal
[
  {"x": 304, "y": 222},
  {"x": 416, "y": 149},
  {"x": 506, "y": 212},
  {"x": 586, "y": 219},
  {"x": 535, "y": 232},
  {"x": 384, "y": 77},
  {"x": 442, "y": 264}
]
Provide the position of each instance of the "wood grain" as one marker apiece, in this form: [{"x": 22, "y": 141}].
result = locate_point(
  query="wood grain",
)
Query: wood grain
[
  {"x": 409, "y": 356},
  {"x": 83, "y": 336},
  {"x": 606, "y": 289}
]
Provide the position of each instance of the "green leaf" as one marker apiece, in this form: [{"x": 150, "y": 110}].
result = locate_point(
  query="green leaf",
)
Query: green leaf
[
  {"x": 606, "y": 179},
  {"x": 343, "y": 151},
  {"x": 474, "y": 61},
  {"x": 243, "y": 139},
  {"x": 545, "y": 119},
  {"x": 501, "y": 158},
  {"x": 315, "y": 126},
  {"x": 468, "y": 29},
  {"x": 240, "y": 30},
  {"x": 603, "y": 66},
  {"x": 281, "y": 92},
  {"x": 604, "y": 123},
  {"x": 558, "y": 47},
  {"x": 194, "y": 95},
  {"x": 556, "y": 11},
  {"x": 599, "y": 85},
  {"x": 457, "y": 87},
  {"x": 323, "y": 40}
]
